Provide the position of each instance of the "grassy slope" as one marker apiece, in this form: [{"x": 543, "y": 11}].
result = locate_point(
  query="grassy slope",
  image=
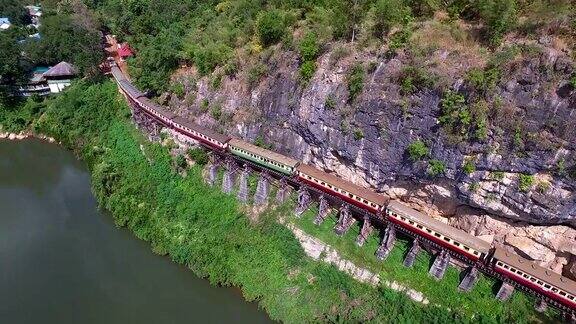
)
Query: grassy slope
[{"x": 201, "y": 228}]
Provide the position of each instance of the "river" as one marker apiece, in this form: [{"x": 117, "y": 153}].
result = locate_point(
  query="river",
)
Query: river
[{"x": 64, "y": 261}]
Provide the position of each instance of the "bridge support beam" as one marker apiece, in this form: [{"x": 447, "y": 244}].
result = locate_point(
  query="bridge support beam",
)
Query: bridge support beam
[
  {"x": 243, "y": 186},
  {"x": 212, "y": 173},
  {"x": 364, "y": 232},
  {"x": 345, "y": 221},
  {"x": 282, "y": 192},
  {"x": 323, "y": 211},
  {"x": 411, "y": 256},
  {"x": 228, "y": 180},
  {"x": 303, "y": 201},
  {"x": 469, "y": 280},
  {"x": 505, "y": 291},
  {"x": 387, "y": 243},
  {"x": 261, "y": 195},
  {"x": 440, "y": 265}
]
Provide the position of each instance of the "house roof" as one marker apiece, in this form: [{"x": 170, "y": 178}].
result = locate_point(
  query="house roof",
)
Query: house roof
[
  {"x": 5, "y": 22},
  {"x": 124, "y": 50},
  {"x": 61, "y": 69}
]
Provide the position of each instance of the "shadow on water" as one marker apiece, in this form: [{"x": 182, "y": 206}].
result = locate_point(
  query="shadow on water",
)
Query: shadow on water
[{"x": 63, "y": 261}]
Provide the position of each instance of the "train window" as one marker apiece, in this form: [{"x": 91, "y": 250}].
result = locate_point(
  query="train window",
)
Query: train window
[
  {"x": 419, "y": 226},
  {"x": 562, "y": 293},
  {"x": 466, "y": 248},
  {"x": 547, "y": 286},
  {"x": 411, "y": 222},
  {"x": 403, "y": 218},
  {"x": 437, "y": 235},
  {"x": 571, "y": 297},
  {"x": 456, "y": 243},
  {"x": 323, "y": 183},
  {"x": 350, "y": 195},
  {"x": 309, "y": 177},
  {"x": 554, "y": 289},
  {"x": 505, "y": 266},
  {"x": 372, "y": 204},
  {"x": 447, "y": 239},
  {"x": 532, "y": 279},
  {"x": 475, "y": 252},
  {"x": 428, "y": 230},
  {"x": 540, "y": 283}
]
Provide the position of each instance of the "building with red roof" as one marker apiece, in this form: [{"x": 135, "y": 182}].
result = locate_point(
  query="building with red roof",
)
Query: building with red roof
[{"x": 125, "y": 51}]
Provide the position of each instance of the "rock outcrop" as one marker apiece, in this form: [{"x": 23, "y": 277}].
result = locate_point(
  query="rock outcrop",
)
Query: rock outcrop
[{"x": 521, "y": 169}]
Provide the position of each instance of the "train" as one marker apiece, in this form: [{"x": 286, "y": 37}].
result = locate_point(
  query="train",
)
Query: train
[{"x": 508, "y": 266}]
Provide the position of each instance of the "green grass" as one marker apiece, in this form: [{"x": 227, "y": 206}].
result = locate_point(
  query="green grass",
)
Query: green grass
[{"x": 480, "y": 300}]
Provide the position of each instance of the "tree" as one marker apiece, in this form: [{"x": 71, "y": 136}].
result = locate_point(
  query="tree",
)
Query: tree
[
  {"x": 499, "y": 17},
  {"x": 15, "y": 11},
  {"x": 11, "y": 69},
  {"x": 67, "y": 39},
  {"x": 271, "y": 27},
  {"x": 389, "y": 13},
  {"x": 417, "y": 150}
]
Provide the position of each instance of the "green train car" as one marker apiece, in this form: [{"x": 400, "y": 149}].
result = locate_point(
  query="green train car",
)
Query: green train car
[{"x": 263, "y": 157}]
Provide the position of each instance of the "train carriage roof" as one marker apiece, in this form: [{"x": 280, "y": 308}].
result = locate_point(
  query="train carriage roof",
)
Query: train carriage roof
[
  {"x": 264, "y": 152},
  {"x": 438, "y": 226},
  {"x": 348, "y": 186},
  {"x": 157, "y": 108},
  {"x": 533, "y": 268},
  {"x": 117, "y": 73},
  {"x": 131, "y": 89},
  {"x": 209, "y": 133}
]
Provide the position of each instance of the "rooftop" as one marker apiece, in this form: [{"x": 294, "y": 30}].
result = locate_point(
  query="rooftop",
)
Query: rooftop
[{"x": 61, "y": 69}]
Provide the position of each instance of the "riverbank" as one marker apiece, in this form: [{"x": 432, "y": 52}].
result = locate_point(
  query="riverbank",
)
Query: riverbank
[
  {"x": 25, "y": 135},
  {"x": 203, "y": 229}
]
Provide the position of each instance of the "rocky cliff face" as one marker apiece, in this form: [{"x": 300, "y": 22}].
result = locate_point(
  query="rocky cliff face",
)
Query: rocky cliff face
[{"x": 521, "y": 167}]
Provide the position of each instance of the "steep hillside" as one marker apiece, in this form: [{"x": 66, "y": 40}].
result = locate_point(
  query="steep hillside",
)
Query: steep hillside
[{"x": 466, "y": 109}]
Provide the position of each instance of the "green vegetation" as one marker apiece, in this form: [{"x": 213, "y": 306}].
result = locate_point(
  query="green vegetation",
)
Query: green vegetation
[
  {"x": 572, "y": 81},
  {"x": 199, "y": 155},
  {"x": 474, "y": 186},
  {"x": 355, "y": 81},
  {"x": 358, "y": 134},
  {"x": 469, "y": 167},
  {"x": 413, "y": 78},
  {"x": 204, "y": 230},
  {"x": 271, "y": 27},
  {"x": 330, "y": 102},
  {"x": 436, "y": 168},
  {"x": 484, "y": 80},
  {"x": 309, "y": 51},
  {"x": 525, "y": 182},
  {"x": 497, "y": 175},
  {"x": 417, "y": 150},
  {"x": 256, "y": 73},
  {"x": 480, "y": 301}
]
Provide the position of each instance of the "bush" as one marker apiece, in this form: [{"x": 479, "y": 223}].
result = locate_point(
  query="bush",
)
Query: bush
[
  {"x": 309, "y": 47},
  {"x": 271, "y": 27},
  {"x": 198, "y": 155},
  {"x": 390, "y": 13},
  {"x": 497, "y": 175},
  {"x": 204, "y": 105},
  {"x": 499, "y": 17},
  {"x": 355, "y": 81},
  {"x": 256, "y": 73},
  {"x": 216, "y": 81},
  {"x": 330, "y": 102},
  {"x": 525, "y": 182},
  {"x": 181, "y": 162},
  {"x": 455, "y": 115},
  {"x": 573, "y": 81},
  {"x": 178, "y": 90},
  {"x": 436, "y": 168},
  {"x": 469, "y": 167},
  {"x": 484, "y": 80},
  {"x": 216, "y": 112},
  {"x": 417, "y": 150},
  {"x": 414, "y": 78},
  {"x": 474, "y": 186},
  {"x": 307, "y": 70},
  {"x": 358, "y": 134}
]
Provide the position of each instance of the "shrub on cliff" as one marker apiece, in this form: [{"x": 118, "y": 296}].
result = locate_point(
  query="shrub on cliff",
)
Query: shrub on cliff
[
  {"x": 417, "y": 150},
  {"x": 271, "y": 27}
]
